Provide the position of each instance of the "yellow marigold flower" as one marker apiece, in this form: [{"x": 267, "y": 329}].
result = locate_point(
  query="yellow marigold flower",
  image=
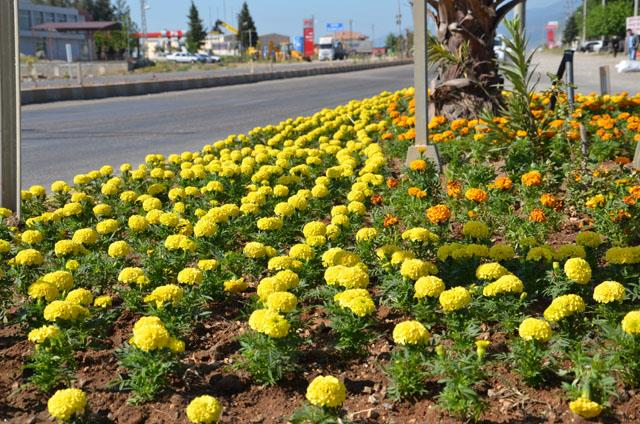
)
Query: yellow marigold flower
[
  {"x": 410, "y": 333},
  {"x": 537, "y": 215},
  {"x": 476, "y": 230},
  {"x": 72, "y": 209},
  {"x": 29, "y": 257},
  {"x": 269, "y": 224},
  {"x": 564, "y": 306},
  {"x": 429, "y": 286},
  {"x": 103, "y": 301},
  {"x": 315, "y": 228},
  {"x": 179, "y": 242},
  {"x": 596, "y": 201},
  {"x": 349, "y": 277},
  {"x": 67, "y": 247},
  {"x": 288, "y": 277},
  {"x": 43, "y": 290},
  {"x": 609, "y": 291},
  {"x": 205, "y": 227},
  {"x": 63, "y": 280},
  {"x": 301, "y": 251},
  {"x": 413, "y": 269},
  {"x": 454, "y": 299},
  {"x": 631, "y": 323},
  {"x": 254, "y": 250},
  {"x": 578, "y": 270},
  {"x": 540, "y": 253},
  {"x": 31, "y": 237},
  {"x": 150, "y": 334},
  {"x": 269, "y": 322},
  {"x": 67, "y": 403},
  {"x": 585, "y": 408},
  {"x": 535, "y": 329},
  {"x": 64, "y": 310},
  {"x": 190, "y": 276},
  {"x": 119, "y": 249},
  {"x": 505, "y": 284},
  {"x": 204, "y": 410},
  {"x": 419, "y": 234},
  {"x": 207, "y": 264},
  {"x": 41, "y": 334},
  {"x": 589, "y": 239},
  {"x": 283, "y": 302},
  {"x": 326, "y": 391},
  {"x": 235, "y": 286},
  {"x": 133, "y": 275},
  {"x": 491, "y": 271},
  {"x": 366, "y": 234},
  {"x": 80, "y": 296},
  {"x": 85, "y": 236},
  {"x": 438, "y": 214},
  {"x": 358, "y": 301},
  {"x": 5, "y": 246},
  {"x": 169, "y": 293},
  {"x": 138, "y": 223},
  {"x": 269, "y": 285},
  {"x": 531, "y": 179},
  {"x": 501, "y": 252},
  {"x": 502, "y": 183},
  {"x": 107, "y": 226}
]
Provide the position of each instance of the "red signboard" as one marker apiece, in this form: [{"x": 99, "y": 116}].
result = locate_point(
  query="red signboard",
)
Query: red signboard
[{"x": 309, "y": 38}]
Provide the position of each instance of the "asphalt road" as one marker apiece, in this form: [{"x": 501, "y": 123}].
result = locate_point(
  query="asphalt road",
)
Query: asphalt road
[{"x": 60, "y": 140}]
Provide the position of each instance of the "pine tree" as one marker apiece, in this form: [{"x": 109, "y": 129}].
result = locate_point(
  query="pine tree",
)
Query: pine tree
[
  {"x": 571, "y": 30},
  {"x": 101, "y": 10},
  {"x": 197, "y": 33},
  {"x": 248, "y": 36}
]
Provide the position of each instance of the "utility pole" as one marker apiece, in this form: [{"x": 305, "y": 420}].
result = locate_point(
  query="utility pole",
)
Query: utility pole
[
  {"x": 584, "y": 22},
  {"x": 143, "y": 24},
  {"x": 9, "y": 107},
  {"x": 399, "y": 23},
  {"x": 635, "y": 7},
  {"x": 521, "y": 12}
]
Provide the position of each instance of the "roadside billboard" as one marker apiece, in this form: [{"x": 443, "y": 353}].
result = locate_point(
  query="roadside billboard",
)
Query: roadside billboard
[
  {"x": 633, "y": 23},
  {"x": 309, "y": 38}
]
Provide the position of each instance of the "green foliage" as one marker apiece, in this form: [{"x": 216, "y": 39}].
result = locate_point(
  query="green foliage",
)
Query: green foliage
[
  {"x": 51, "y": 364},
  {"x": 407, "y": 372},
  {"x": 146, "y": 374},
  {"x": 197, "y": 33},
  {"x": 311, "y": 414},
  {"x": 571, "y": 30},
  {"x": 248, "y": 34},
  {"x": 609, "y": 20},
  {"x": 265, "y": 358},
  {"x": 352, "y": 331},
  {"x": 529, "y": 359},
  {"x": 592, "y": 376}
]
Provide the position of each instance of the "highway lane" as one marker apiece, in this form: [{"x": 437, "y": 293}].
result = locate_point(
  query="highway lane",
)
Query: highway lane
[{"x": 62, "y": 139}]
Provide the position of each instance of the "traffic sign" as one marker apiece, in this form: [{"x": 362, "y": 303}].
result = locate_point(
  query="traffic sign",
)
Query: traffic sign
[
  {"x": 335, "y": 26},
  {"x": 633, "y": 23}
]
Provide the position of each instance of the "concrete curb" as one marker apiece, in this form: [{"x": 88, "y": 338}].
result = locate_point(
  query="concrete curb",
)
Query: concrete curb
[{"x": 47, "y": 95}]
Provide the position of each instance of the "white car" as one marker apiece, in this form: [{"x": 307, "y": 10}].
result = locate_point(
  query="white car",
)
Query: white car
[
  {"x": 182, "y": 57},
  {"x": 499, "y": 48},
  {"x": 208, "y": 58}
]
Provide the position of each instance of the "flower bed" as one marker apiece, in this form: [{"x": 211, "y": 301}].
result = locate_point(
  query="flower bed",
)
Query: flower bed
[{"x": 301, "y": 272}]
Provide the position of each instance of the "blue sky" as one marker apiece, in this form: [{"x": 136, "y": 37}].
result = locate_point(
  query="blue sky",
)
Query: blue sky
[{"x": 286, "y": 16}]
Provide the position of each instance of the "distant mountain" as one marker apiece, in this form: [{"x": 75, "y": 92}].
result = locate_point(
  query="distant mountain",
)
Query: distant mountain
[{"x": 543, "y": 12}]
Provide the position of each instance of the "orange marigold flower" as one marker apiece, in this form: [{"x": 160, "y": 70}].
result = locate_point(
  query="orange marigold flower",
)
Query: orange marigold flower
[
  {"x": 438, "y": 214},
  {"x": 476, "y": 195},
  {"x": 502, "y": 183},
  {"x": 620, "y": 215},
  {"x": 635, "y": 191},
  {"x": 622, "y": 160},
  {"x": 416, "y": 192},
  {"x": 392, "y": 182},
  {"x": 630, "y": 200},
  {"x": 376, "y": 199},
  {"x": 537, "y": 215},
  {"x": 472, "y": 214},
  {"x": 387, "y": 136},
  {"x": 532, "y": 179},
  {"x": 548, "y": 200},
  {"x": 453, "y": 189},
  {"x": 418, "y": 165},
  {"x": 390, "y": 220}
]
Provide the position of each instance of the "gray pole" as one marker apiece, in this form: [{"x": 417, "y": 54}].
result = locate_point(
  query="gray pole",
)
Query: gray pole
[
  {"x": 635, "y": 7},
  {"x": 9, "y": 107},
  {"x": 584, "y": 22},
  {"x": 521, "y": 12}
]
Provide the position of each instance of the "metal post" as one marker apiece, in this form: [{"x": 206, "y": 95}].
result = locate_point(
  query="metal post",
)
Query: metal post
[
  {"x": 635, "y": 7},
  {"x": 422, "y": 147},
  {"x": 584, "y": 22},
  {"x": 605, "y": 81},
  {"x": 570, "y": 83},
  {"x": 521, "y": 12},
  {"x": 9, "y": 107}
]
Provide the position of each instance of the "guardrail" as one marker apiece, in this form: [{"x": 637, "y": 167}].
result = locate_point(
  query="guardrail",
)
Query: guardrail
[{"x": 88, "y": 92}]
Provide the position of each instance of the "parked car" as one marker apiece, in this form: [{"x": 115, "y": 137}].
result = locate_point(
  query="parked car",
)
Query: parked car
[
  {"x": 499, "y": 48},
  {"x": 592, "y": 46},
  {"x": 208, "y": 58},
  {"x": 183, "y": 58}
]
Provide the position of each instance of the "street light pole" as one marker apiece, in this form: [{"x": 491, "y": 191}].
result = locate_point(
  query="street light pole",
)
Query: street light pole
[
  {"x": 9, "y": 107},
  {"x": 521, "y": 13},
  {"x": 584, "y": 22},
  {"x": 635, "y": 7}
]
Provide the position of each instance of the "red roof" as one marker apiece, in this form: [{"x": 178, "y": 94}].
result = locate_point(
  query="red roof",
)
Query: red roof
[{"x": 77, "y": 26}]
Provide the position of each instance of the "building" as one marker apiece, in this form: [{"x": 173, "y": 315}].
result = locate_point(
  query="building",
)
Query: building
[
  {"x": 221, "y": 44},
  {"x": 277, "y": 40},
  {"x": 49, "y": 44}
]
